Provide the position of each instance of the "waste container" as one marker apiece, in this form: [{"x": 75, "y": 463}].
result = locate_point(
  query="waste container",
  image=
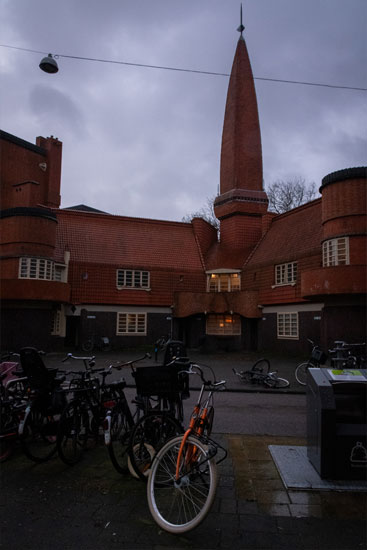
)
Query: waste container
[{"x": 337, "y": 423}]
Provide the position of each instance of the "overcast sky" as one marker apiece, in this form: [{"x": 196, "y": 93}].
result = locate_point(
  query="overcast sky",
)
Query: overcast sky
[{"x": 145, "y": 142}]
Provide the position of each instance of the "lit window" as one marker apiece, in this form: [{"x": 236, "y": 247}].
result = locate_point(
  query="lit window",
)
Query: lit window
[
  {"x": 286, "y": 274},
  {"x": 223, "y": 324},
  {"x": 130, "y": 278},
  {"x": 335, "y": 252},
  {"x": 287, "y": 325},
  {"x": 131, "y": 323},
  {"x": 224, "y": 282}
]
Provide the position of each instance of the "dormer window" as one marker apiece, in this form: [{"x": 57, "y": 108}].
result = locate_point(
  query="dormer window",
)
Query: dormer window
[
  {"x": 286, "y": 274},
  {"x": 131, "y": 278},
  {"x": 223, "y": 282}
]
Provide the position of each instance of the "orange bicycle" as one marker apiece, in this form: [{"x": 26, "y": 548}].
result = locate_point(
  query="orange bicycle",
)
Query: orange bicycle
[{"x": 183, "y": 476}]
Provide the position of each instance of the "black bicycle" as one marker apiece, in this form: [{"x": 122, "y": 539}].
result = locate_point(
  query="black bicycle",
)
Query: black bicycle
[
  {"x": 12, "y": 404},
  {"x": 84, "y": 415},
  {"x": 46, "y": 400},
  {"x": 132, "y": 437},
  {"x": 166, "y": 386},
  {"x": 260, "y": 374}
]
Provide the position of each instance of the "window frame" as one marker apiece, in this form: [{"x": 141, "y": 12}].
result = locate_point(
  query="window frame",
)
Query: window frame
[
  {"x": 285, "y": 274},
  {"x": 235, "y": 322},
  {"x": 137, "y": 279},
  {"x": 139, "y": 317},
  {"x": 284, "y": 320},
  {"x": 333, "y": 254},
  {"x": 216, "y": 282},
  {"x": 41, "y": 269}
]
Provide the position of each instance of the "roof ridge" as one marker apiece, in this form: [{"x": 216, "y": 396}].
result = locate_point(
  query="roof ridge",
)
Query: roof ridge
[
  {"x": 296, "y": 208},
  {"x": 100, "y": 214}
]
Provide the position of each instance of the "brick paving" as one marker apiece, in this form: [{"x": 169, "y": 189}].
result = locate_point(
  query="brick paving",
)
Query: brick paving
[{"x": 91, "y": 507}]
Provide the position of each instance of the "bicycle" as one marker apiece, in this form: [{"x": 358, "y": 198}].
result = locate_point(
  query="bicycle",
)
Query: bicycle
[
  {"x": 167, "y": 385},
  {"x": 46, "y": 400},
  {"x": 118, "y": 423},
  {"x": 85, "y": 413},
  {"x": 260, "y": 374},
  {"x": 12, "y": 405},
  {"x": 160, "y": 345},
  {"x": 347, "y": 356},
  {"x": 103, "y": 344},
  {"x": 316, "y": 360},
  {"x": 183, "y": 476}
]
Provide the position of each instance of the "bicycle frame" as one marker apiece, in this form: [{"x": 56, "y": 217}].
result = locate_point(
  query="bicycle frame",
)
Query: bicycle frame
[{"x": 197, "y": 424}]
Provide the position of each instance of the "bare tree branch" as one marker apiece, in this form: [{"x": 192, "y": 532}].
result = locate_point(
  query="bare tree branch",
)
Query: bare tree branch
[
  {"x": 206, "y": 212},
  {"x": 285, "y": 195}
]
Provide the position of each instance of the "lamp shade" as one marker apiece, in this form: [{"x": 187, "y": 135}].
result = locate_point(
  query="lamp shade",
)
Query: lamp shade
[{"x": 48, "y": 64}]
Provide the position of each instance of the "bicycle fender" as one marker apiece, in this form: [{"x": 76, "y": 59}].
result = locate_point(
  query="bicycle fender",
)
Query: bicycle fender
[
  {"x": 107, "y": 429},
  {"x": 23, "y": 420}
]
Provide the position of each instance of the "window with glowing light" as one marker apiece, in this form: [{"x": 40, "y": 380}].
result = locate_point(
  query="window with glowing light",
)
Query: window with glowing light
[
  {"x": 225, "y": 324},
  {"x": 223, "y": 282}
]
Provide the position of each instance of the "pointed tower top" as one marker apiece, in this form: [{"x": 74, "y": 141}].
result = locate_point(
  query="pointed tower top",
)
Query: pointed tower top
[
  {"x": 241, "y": 28},
  {"x": 241, "y": 156}
]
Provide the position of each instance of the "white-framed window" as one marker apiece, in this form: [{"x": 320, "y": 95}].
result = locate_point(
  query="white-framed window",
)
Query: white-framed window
[
  {"x": 60, "y": 273},
  {"x": 286, "y": 274},
  {"x": 335, "y": 252},
  {"x": 132, "y": 278},
  {"x": 131, "y": 323},
  {"x": 225, "y": 324},
  {"x": 58, "y": 322},
  {"x": 36, "y": 268},
  {"x": 287, "y": 325},
  {"x": 223, "y": 282}
]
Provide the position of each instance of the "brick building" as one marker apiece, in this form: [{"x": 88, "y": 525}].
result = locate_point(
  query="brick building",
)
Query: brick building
[{"x": 265, "y": 282}]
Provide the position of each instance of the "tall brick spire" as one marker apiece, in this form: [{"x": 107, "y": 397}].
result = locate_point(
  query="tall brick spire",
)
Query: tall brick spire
[
  {"x": 242, "y": 198},
  {"x": 241, "y": 157}
]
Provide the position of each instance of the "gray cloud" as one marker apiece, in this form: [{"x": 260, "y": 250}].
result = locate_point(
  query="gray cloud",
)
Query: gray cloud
[{"x": 146, "y": 142}]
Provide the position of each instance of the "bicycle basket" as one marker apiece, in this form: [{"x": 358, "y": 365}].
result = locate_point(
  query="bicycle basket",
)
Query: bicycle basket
[
  {"x": 319, "y": 356},
  {"x": 161, "y": 381}
]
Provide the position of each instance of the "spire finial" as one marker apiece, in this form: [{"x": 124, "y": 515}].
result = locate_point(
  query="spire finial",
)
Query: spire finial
[{"x": 241, "y": 28}]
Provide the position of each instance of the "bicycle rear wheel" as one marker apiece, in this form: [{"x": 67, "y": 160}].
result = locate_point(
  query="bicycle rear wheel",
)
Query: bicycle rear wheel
[
  {"x": 301, "y": 373},
  {"x": 38, "y": 437},
  {"x": 261, "y": 365},
  {"x": 73, "y": 433},
  {"x": 148, "y": 436},
  {"x": 119, "y": 439},
  {"x": 178, "y": 506}
]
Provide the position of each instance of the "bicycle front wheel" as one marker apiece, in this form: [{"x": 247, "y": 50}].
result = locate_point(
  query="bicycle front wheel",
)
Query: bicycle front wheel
[
  {"x": 38, "y": 439},
  {"x": 276, "y": 382},
  {"x": 179, "y": 505},
  {"x": 301, "y": 373},
  {"x": 119, "y": 441},
  {"x": 73, "y": 433},
  {"x": 148, "y": 436}
]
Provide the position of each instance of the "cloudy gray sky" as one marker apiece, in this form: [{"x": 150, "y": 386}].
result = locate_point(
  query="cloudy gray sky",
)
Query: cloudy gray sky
[{"x": 146, "y": 142}]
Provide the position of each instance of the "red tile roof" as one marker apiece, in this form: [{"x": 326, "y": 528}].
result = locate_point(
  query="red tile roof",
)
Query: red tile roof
[
  {"x": 220, "y": 256},
  {"x": 125, "y": 241},
  {"x": 291, "y": 235}
]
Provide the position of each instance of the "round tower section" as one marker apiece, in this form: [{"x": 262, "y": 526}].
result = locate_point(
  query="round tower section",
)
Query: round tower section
[{"x": 344, "y": 215}]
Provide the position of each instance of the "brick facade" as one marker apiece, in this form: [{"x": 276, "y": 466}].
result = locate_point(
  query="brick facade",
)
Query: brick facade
[{"x": 59, "y": 267}]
